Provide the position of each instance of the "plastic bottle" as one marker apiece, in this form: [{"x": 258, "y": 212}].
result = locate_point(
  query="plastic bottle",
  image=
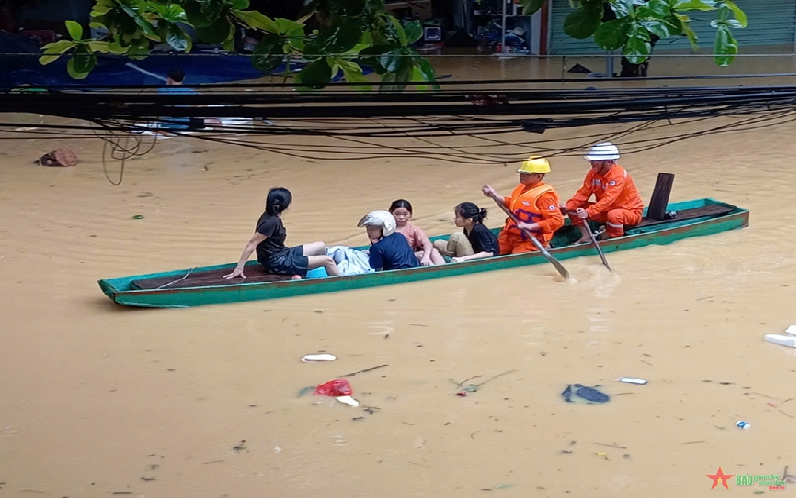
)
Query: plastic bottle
[{"x": 743, "y": 425}]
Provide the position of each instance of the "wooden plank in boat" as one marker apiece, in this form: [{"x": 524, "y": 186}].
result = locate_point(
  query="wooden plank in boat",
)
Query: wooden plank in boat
[
  {"x": 690, "y": 214},
  {"x": 253, "y": 273}
]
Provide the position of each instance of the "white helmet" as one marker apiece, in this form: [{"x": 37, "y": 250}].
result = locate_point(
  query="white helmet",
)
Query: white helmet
[
  {"x": 383, "y": 219},
  {"x": 605, "y": 151}
]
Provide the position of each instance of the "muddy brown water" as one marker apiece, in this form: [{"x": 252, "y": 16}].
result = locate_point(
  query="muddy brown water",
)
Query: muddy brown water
[{"x": 101, "y": 399}]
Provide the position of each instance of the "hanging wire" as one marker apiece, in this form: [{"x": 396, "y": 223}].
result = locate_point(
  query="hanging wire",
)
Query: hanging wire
[{"x": 360, "y": 123}]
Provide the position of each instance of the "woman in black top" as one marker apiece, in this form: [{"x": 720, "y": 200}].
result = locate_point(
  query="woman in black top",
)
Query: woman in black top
[
  {"x": 269, "y": 242},
  {"x": 476, "y": 241}
]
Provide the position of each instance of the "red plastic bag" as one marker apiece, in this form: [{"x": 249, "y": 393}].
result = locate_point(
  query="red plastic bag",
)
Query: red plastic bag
[{"x": 336, "y": 387}]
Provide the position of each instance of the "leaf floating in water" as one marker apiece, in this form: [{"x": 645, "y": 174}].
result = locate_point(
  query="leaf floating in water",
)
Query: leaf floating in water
[{"x": 138, "y": 217}]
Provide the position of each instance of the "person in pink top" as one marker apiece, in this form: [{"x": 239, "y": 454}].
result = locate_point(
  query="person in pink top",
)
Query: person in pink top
[{"x": 425, "y": 251}]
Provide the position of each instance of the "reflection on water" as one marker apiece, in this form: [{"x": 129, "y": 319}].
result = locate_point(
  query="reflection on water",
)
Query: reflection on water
[{"x": 104, "y": 392}]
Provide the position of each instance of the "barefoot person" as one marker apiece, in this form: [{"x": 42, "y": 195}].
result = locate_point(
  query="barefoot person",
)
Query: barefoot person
[
  {"x": 417, "y": 238},
  {"x": 535, "y": 204},
  {"x": 475, "y": 241},
  {"x": 618, "y": 201},
  {"x": 269, "y": 242}
]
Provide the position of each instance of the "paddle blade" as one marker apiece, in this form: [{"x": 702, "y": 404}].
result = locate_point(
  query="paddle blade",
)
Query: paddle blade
[{"x": 561, "y": 270}]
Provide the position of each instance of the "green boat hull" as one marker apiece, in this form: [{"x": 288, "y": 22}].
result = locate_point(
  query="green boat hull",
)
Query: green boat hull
[{"x": 121, "y": 291}]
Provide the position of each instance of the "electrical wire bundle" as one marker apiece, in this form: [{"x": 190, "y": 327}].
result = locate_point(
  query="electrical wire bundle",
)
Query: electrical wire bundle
[{"x": 350, "y": 124}]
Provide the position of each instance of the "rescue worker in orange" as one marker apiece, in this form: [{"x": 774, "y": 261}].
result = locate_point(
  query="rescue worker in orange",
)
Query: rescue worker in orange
[
  {"x": 535, "y": 204},
  {"x": 618, "y": 202}
]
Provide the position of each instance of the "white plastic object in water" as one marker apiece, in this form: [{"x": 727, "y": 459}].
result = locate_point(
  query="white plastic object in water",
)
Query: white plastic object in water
[
  {"x": 631, "y": 380},
  {"x": 348, "y": 400},
  {"x": 782, "y": 340},
  {"x": 318, "y": 357},
  {"x": 791, "y": 330}
]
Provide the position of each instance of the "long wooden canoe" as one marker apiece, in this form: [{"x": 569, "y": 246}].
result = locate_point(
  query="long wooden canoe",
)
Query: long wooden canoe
[{"x": 205, "y": 285}]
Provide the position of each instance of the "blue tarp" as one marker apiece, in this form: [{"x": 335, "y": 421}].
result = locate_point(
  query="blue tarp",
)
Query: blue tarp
[{"x": 25, "y": 69}]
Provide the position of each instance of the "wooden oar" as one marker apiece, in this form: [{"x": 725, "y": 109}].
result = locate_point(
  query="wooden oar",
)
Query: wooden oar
[
  {"x": 593, "y": 240},
  {"x": 596, "y": 244},
  {"x": 549, "y": 257}
]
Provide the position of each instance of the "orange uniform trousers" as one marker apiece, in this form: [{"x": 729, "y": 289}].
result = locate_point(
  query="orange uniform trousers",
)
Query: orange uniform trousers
[
  {"x": 514, "y": 243},
  {"x": 614, "y": 219}
]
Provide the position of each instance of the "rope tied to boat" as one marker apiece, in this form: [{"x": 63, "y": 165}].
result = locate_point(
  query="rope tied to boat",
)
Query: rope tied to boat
[{"x": 178, "y": 280}]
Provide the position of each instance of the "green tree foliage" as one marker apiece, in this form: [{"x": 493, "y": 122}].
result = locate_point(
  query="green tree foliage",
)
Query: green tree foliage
[
  {"x": 332, "y": 35},
  {"x": 637, "y": 24}
]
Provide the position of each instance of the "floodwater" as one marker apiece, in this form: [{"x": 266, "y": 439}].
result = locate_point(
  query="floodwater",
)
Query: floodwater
[{"x": 100, "y": 400}]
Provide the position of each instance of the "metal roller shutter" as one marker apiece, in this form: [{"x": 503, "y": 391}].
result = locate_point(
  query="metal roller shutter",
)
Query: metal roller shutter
[{"x": 771, "y": 22}]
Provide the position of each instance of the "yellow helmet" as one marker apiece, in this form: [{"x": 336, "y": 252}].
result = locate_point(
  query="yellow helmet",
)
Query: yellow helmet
[{"x": 535, "y": 164}]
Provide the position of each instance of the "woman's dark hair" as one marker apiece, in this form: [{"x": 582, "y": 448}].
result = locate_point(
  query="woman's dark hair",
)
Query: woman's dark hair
[
  {"x": 401, "y": 203},
  {"x": 278, "y": 200},
  {"x": 470, "y": 210}
]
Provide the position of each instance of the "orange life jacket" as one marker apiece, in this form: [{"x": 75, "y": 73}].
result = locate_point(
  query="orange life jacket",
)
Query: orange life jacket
[{"x": 523, "y": 203}]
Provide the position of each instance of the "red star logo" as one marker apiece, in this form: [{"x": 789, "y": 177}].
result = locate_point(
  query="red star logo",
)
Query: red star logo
[{"x": 720, "y": 476}]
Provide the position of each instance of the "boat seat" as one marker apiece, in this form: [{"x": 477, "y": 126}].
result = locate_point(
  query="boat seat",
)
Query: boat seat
[{"x": 254, "y": 273}]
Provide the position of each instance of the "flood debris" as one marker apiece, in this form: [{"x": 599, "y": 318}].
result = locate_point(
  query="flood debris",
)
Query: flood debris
[
  {"x": 305, "y": 391},
  {"x": 318, "y": 357},
  {"x": 334, "y": 388},
  {"x": 781, "y": 340},
  {"x": 364, "y": 370},
  {"x": 241, "y": 446},
  {"x": 590, "y": 394},
  {"x": 788, "y": 339},
  {"x": 348, "y": 400},
  {"x": 612, "y": 445},
  {"x": 577, "y": 68},
  {"x": 471, "y": 388},
  {"x": 499, "y": 486},
  {"x": 59, "y": 157}
]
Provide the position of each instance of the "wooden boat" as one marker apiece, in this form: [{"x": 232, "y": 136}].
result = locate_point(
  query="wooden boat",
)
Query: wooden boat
[{"x": 205, "y": 285}]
